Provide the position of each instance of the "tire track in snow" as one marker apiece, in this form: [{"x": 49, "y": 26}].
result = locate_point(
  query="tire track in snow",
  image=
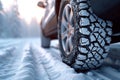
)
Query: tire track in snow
[
  {"x": 55, "y": 69},
  {"x": 26, "y": 69},
  {"x": 17, "y": 63}
]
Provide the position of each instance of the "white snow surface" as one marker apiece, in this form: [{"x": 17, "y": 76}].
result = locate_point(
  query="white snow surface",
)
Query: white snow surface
[{"x": 24, "y": 59}]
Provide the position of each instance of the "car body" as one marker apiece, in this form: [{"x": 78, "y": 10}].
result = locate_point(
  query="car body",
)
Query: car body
[
  {"x": 49, "y": 21},
  {"x": 52, "y": 28}
]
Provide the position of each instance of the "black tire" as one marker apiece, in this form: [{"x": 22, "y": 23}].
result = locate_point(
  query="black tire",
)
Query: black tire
[
  {"x": 45, "y": 42},
  {"x": 90, "y": 39}
]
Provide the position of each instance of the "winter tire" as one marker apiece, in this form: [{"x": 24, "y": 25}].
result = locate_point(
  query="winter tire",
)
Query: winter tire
[
  {"x": 45, "y": 42},
  {"x": 84, "y": 38}
]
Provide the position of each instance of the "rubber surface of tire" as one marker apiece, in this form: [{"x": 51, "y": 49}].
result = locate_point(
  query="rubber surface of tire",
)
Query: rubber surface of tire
[
  {"x": 45, "y": 42},
  {"x": 92, "y": 37}
]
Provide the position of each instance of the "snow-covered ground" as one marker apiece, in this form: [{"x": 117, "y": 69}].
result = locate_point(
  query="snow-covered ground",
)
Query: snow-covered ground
[{"x": 24, "y": 59}]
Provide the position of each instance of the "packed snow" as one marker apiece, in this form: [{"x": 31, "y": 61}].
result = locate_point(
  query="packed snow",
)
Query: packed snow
[{"x": 24, "y": 59}]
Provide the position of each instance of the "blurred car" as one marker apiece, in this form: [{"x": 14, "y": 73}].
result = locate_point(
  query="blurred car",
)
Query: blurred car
[
  {"x": 84, "y": 38},
  {"x": 48, "y": 22}
]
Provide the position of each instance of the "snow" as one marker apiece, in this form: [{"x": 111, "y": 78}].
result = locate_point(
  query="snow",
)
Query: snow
[{"x": 24, "y": 59}]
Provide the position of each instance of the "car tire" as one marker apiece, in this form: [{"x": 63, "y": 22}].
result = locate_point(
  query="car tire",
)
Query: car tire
[
  {"x": 45, "y": 41},
  {"x": 84, "y": 38}
]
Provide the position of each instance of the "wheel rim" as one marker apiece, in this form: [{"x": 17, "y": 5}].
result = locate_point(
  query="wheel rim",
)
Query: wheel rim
[{"x": 67, "y": 29}]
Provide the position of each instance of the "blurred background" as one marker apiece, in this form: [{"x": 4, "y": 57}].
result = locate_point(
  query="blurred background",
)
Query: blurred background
[{"x": 20, "y": 18}]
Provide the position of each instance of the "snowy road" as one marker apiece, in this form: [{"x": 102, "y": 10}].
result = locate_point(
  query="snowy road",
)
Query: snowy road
[{"x": 26, "y": 60}]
